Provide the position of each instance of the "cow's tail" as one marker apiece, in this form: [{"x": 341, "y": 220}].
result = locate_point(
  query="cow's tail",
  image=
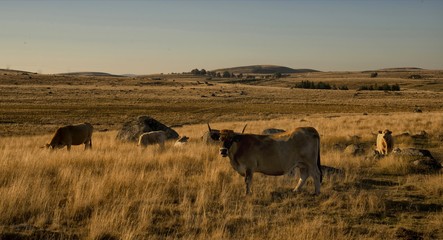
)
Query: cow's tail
[{"x": 318, "y": 159}]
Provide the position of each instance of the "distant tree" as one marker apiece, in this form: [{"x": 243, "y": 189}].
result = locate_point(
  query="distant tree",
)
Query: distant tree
[
  {"x": 385, "y": 87},
  {"x": 218, "y": 75},
  {"x": 240, "y": 75},
  {"x": 195, "y": 71},
  {"x": 322, "y": 85},
  {"x": 226, "y": 74},
  {"x": 277, "y": 75},
  {"x": 395, "y": 87},
  {"x": 203, "y": 72},
  {"x": 374, "y": 74}
]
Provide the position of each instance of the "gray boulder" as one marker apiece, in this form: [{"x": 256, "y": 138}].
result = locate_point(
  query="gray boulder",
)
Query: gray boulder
[
  {"x": 132, "y": 129},
  {"x": 355, "y": 149},
  {"x": 421, "y": 160}
]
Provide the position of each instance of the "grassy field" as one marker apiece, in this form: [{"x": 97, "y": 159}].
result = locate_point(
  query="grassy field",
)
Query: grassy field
[
  {"x": 118, "y": 191},
  {"x": 37, "y": 104}
]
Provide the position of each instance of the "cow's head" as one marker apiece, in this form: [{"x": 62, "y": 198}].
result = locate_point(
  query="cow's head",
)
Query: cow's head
[
  {"x": 183, "y": 139},
  {"x": 227, "y": 137},
  {"x": 215, "y": 134},
  {"x": 51, "y": 146},
  {"x": 386, "y": 133}
]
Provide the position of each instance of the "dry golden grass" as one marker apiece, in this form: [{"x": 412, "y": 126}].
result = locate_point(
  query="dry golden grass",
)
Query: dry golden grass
[{"x": 118, "y": 191}]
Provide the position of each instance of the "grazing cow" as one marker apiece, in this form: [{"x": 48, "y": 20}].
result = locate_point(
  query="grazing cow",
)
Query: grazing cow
[
  {"x": 385, "y": 142},
  {"x": 72, "y": 135},
  {"x": 274, "y": 154},
  {"x": 270, "y": 131},
  {"x": 151, "y": 138},
  {"x": 181, "y": 141}
]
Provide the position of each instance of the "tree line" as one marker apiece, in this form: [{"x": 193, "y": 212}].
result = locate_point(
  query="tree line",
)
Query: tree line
[
  {"x": 322, "y": 85},
  {"x": 226, "y": 74}
]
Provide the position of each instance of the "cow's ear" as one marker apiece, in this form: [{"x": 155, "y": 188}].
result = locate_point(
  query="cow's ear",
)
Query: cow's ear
[
  {"x": 379, "y": 131},
  {"x": 389, "y": 132},
  {"x": 215, "y": 136}
]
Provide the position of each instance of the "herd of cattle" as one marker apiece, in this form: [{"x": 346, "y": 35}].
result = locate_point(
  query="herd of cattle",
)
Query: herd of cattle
[{"x": 274, "y": 152}]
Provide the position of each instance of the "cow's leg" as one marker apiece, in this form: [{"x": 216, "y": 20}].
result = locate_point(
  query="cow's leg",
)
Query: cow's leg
[
  {"x": 303, "y": 176},
  {"x": 88, "y": 144},
  {"x": 315, "y": 173},
  {"x": 248, "y": 180},
  {"x": 68, "y": 147}
]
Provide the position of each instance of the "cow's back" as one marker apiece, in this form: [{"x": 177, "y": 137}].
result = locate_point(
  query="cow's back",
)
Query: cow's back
[
  {"x": 303, "y": 141},
  {"x": 153, "y": 137},
  {"x": 279, "y": 154},
  {"x": 80, "y": 133}
]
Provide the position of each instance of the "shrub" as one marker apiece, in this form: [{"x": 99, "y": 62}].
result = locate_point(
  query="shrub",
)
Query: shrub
[
  {"x": 320, "y": 85},
  {"x": 384, "y": 87}
]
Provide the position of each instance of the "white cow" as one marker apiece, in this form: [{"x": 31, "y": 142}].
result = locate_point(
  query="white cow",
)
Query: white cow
[{"x": 151, "y": 138}]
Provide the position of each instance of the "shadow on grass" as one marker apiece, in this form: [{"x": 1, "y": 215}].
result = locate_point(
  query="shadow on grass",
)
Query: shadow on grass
[{"x": 408, "y": 206}]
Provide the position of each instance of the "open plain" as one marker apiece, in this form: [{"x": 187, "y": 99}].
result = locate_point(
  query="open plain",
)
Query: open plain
[{"x": 118, "y": 191}]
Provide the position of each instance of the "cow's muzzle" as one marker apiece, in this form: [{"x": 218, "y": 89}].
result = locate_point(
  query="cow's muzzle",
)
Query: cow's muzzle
[{"x": 224, "y": 152}]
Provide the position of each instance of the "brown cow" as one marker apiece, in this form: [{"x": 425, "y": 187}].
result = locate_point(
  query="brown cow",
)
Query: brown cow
[
  {"x": 274, "y": 154},
  {"x": 385, "y": 142},
  {"x": 72, "y": 135}
]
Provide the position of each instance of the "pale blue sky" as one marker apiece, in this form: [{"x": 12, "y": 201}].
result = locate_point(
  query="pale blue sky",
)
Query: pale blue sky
[{"x": 144, "y": 37}]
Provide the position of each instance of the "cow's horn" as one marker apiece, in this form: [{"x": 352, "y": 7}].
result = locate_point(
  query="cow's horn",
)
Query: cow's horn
[
  {"x": 209, "y": 127},
  {"x": 244, "y": 128}
]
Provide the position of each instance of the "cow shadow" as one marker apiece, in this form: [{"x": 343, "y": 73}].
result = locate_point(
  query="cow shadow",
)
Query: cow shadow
[
  {"x": 408, "y": 206},
  {"x": 368, "y": 184},
  {"x": 281, "y": 194}
]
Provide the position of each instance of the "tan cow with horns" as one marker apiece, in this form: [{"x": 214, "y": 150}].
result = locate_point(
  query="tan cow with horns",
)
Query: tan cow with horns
[{"x": 274, "y": 155}]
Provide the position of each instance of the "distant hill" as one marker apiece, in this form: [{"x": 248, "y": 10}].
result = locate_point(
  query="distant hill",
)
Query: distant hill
[
  {"x": 402, "y": 69},
  {"x": 91, "y": 74},
  {"x": 397, "y": 69},
  {"x": 12, "y": 71},
  {"x": 264, "y": 69}
]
